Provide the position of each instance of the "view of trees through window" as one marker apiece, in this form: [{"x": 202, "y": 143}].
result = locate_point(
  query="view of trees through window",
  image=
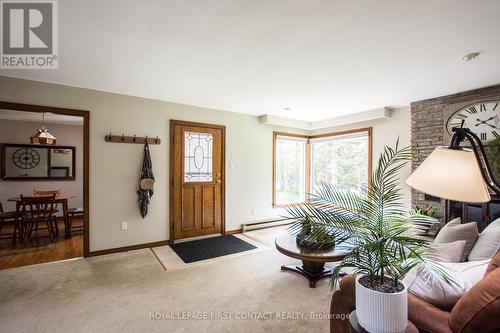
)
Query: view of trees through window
[
  {"x": 341, "y": 160},
  {"x": 290, "y": 169}
]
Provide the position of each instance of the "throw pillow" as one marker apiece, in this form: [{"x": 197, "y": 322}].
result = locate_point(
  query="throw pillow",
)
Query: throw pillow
[
  {"x": 448, "y": 252},
  {"x": 439, "y": 293},
  {"x": 455, "y": 230},
  {"x": 488, "y": 243}
]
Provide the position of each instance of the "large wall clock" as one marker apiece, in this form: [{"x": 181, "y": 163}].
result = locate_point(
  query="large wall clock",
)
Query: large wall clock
[
  {"x": 482, "y": 118},
  {"x": 26, "y": 158}
]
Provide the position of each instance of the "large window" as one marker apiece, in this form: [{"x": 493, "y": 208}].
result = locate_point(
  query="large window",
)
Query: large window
[
  {"x": 290, "y": 169},
  {"x": 340, "y": 160},
  {"x": 301, "y": 163}
]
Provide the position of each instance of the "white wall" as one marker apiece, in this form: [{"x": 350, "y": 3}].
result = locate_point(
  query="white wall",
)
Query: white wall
[
  {"x": 114, "y": 167},
  {"x": 67, "y": 135}
]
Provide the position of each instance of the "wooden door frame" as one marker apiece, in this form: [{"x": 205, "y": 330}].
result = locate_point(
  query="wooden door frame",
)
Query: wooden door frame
[
  {"x": 86, "y": 153},
  {"x": 173, "y": 123}
]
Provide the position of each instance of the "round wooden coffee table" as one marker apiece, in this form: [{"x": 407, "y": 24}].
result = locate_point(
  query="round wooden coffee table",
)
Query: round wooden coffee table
[{"x": 313, "y": 261}]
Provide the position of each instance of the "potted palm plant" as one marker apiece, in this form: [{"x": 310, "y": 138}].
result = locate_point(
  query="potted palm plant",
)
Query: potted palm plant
[{"x": 383, "y": 246}]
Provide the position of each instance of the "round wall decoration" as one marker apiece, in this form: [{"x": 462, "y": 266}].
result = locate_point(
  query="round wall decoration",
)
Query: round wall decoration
[
  {"x": 482, "y": 118},
  {"x": 26, "y": 158}
]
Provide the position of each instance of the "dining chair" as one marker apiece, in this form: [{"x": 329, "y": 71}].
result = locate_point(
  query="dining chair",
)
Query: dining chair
[
  {"x": 9, "y": 218},
  {"x": 57, "y": 192},
  {"x": 75, "y": 213},
  {"x": 36, "y": 210}
]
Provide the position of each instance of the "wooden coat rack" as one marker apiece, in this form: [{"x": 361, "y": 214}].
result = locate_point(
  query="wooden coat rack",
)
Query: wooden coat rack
[{"x": 131, "y": 139}]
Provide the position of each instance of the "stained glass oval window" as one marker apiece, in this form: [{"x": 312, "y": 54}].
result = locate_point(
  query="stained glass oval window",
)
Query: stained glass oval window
[{"x": 198, "y": 156}]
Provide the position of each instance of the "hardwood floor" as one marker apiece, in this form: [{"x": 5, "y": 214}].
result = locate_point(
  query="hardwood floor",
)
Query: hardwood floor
[{"x": 40, "y": 249}]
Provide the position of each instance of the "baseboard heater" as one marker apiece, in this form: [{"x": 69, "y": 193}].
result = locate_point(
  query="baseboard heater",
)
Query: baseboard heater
[{"x": 265, "y": 224}]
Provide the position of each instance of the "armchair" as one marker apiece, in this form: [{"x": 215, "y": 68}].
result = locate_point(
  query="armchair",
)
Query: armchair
[{"x": 476, "y": 311}]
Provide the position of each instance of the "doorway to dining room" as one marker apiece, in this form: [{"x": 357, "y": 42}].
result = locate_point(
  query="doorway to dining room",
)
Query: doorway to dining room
[{"x": 44, "y": 184}]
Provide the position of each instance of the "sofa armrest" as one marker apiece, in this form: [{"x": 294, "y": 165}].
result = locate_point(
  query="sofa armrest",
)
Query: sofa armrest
[
  {"x": 343, "y": 303},
  {"x": 426, "y": 317}
]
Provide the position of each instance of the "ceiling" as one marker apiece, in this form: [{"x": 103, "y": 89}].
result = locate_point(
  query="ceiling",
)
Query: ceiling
[
  {"x": 36, "y": 117},
  {"x": 320, "y": 58}
]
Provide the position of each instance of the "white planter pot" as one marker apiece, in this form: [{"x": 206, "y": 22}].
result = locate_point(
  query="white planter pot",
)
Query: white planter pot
[{"x": 381, "y": 312}]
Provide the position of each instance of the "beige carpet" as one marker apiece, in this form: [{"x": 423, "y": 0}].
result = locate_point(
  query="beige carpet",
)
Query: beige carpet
[{"x": 121, "y": 292}]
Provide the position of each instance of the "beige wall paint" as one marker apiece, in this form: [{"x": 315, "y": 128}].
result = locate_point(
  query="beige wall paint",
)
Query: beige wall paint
[
  {"x": 67, "y": 135},
  {"x": 114, "y": 167}
]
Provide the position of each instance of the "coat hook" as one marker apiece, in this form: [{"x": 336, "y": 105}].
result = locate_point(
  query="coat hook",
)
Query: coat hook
[
  {"x": 123, "y": 137},
  {"x": 134, "y": 137}
]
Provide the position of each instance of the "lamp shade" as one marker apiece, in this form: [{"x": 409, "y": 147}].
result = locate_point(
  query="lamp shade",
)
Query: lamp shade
[
  {"x": 43, "y": 137},
  {"x": 452, "y": 174}
]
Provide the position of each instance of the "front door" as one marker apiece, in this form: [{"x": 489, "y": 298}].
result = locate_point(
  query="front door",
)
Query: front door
[{"x": 197, "y": 179}]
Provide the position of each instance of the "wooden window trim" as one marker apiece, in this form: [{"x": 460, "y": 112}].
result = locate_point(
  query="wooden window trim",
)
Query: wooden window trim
[{"x": 369, "y": 130}]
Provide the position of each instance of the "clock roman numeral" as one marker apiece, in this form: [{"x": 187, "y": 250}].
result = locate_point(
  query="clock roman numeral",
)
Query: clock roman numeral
[
  {"x": 461, "y": 116},
  {"x": 495, "y": 134},
  {"x": 495, "y": 107},
  {"x": 471, "y": 110},
  {"x": 483, "y": 136},
  {"x": 482, "y": 107},
  {"x": 455, "y": 125}
]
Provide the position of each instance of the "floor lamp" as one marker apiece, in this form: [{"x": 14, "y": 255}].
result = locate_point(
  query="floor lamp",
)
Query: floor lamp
[{"x": 457, "y": 173}]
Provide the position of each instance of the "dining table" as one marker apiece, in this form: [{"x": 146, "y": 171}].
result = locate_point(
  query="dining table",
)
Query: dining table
[{"x": 62, "y": 199}]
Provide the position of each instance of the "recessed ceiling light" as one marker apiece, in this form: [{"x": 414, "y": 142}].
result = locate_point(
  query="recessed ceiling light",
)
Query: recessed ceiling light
[
  {"x": 287, "y": 109},
  {"x": 471, "y": 56}
]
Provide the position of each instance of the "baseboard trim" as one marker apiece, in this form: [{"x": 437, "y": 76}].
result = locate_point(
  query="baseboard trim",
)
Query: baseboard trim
[
  {"x": 267, "y": 221},
  {"x": 128, "y": 248},
  {"x": 265, "y": 224},
  {"x": 232, "y": 232}
]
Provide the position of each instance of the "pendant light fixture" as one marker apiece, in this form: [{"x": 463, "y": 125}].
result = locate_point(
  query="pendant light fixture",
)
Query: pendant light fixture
[{"x": 42, "y": 135}]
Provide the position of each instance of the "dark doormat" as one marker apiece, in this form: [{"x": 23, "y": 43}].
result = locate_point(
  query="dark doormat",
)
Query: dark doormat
[{"x": 210, "y": 248}]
